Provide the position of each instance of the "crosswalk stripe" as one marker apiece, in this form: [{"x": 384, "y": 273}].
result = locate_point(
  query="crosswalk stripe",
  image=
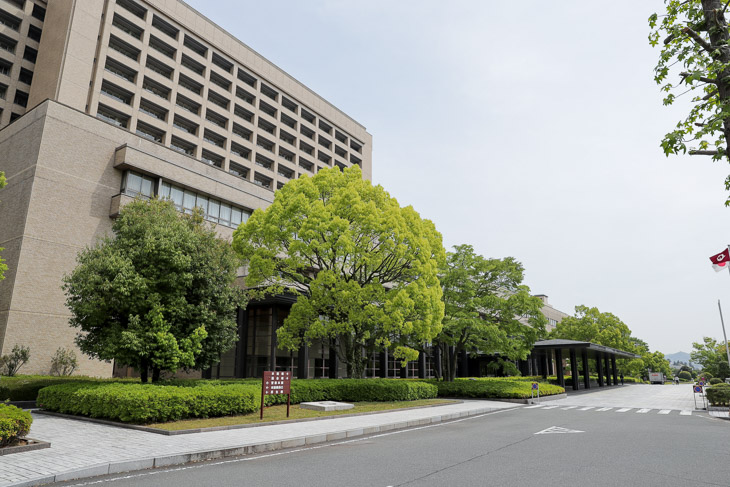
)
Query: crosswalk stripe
[
  {"x": 535, "y": 406},
  {"x": 623, "y": 410},
  {"x": 643, "y": 411},
  {"x": 550, "y": 407},
  {"x": 569, "y": 407},
  {"x": 586, "y": 409},
  {"x": 604, "y": 409},
  {"x": 665, "y": 411},
  {"x": 686, "y": 412}
]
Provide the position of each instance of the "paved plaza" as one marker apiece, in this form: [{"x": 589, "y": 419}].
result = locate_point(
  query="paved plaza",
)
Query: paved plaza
[{"x": 641, "y": 396}]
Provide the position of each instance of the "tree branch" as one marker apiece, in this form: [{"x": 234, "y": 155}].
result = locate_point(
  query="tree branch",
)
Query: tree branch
[
  {"x": 702, "y": 78},
  {"x": 698, "y": 39},
  {"x": 703, "y": 152}
]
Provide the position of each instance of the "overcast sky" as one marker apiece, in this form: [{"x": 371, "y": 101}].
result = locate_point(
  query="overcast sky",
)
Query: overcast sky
[{"x": 526, "y": 129}]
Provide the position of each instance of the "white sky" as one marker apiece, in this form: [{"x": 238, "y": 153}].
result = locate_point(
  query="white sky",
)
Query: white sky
[{"x": 528, "y": 129}]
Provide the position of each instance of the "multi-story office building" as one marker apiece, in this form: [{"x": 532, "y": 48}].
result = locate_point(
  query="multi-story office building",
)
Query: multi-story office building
[{"x": 105, "y": 100}]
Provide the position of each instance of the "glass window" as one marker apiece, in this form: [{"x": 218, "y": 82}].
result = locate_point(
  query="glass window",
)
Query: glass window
[
  {"x": 236, "y": 217},
  {"x": 225, "y": 214},
  {"x": 188, "y": 201},
  {"x": 176, "y": 194},
  {"x": 213, "y": 210},
  {"x": 202, "y": 202},
  {"x": 134, "y": 183},
  {"x": 164, "y": 190},
  {"x": 147, "y": 189}
]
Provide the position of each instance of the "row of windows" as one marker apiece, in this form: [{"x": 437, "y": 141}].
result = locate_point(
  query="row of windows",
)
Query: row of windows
[
  {"x": 138, "y": 185},
  {"x": 227, "y": 66}
]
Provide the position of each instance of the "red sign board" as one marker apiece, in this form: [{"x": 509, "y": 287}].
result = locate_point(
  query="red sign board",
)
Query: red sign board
[{"x": 276, "y": 382}]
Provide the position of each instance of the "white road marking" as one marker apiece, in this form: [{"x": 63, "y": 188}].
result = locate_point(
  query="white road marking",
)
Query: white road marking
[
  {"x": 586, "y": 409},
  {"x": 569, "y": 407},
  {"x": 535, "y": 406},
  {"x": 665, "y": 411},
  {"x": 643, "y": 411},
  {"x": 686, "y": 412},
  {"x": 623, "y": 410},
  {"x": 557, "y": 429},
  {"x": 604, "y": 409},
  {"x": 550, "y": 407}
]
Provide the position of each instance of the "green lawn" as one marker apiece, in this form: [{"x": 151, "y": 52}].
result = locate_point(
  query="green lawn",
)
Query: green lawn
[{"x": 278, "y": 413}]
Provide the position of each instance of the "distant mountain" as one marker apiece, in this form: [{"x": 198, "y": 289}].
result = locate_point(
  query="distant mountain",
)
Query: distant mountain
[{"x": 678, "y": 357}]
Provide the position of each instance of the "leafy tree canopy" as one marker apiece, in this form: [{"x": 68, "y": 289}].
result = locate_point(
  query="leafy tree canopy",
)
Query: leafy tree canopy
[
  {"x": 484, "y": 301},
  {"x": 364, "y": 269},
  {"x": 711, "y": 356},
  {"x": 695, "y": 62},
  {"x": 157, "y": 295}
]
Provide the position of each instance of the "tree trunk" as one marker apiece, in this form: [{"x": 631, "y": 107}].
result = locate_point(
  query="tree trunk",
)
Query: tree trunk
[
  {"x": 155, "y": 374},
  {"x": 453, "y": 357},
  {"x": 719, "y": 36},
  {"x": 143, "y": 370}
]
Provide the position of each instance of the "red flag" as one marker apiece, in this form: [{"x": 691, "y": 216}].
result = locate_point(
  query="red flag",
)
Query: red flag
[{"x": 721, "y": 261}]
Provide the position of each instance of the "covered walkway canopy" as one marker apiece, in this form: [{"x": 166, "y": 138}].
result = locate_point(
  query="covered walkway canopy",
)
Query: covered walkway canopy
[{"x": 605, "y": 357}]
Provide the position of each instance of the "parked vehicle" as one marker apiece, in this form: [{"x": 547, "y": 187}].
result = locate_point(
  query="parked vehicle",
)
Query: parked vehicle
[{"x": 656, "y": 378}]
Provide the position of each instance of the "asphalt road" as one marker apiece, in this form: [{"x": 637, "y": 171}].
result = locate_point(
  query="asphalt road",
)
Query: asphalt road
[{"x": 496, "y": 449}]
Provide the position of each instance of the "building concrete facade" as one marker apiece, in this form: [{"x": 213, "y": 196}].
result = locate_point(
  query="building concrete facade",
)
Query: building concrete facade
[{"x": 102, "y": 101}]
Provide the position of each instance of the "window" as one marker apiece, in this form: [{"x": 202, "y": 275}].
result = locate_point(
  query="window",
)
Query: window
[
  {"x": 355, "y": 160},
  {"x": 324, "y": 142},
  {"x": 117, "y": 93},
  {"x": 285, "y": 172},
  {"x": 165, "y": 27},
  {"x": 306, "y": 148},
  {"x": 112, "y": 116},
  {"x": 267, "y": 109},
  {"x": 185, "y": 125},
  {"x": 162, "y": 47},
  {"x": 288, "y": 104},
  {"x": 3, "y": 91},
  {"x": 288, "y": 121},
  {"x": 5, "y": 67},
  {"x": 136, "y": 184},
  {"x": 126, "y": 26},
  {"x": 285, "y": 154},
  {"x": 308, "y": 116},
  {"x": 340, "y": 136},
  {"x": 14, "y": 116},
  {"x": 287, "y": 137},
  {"x": 149, "y": 132},
  {"x": 189, "y": 84},
  {"x": 159, "y": 67},
  {"x": 183, "y": 146},
  {"x": 238, "y": 170},
  {"x": 7, "y": 44},
  {"x": 263, "y": 161},
  {"x": 325, "y": 126},
  {"x": 341, "y": 165},
  {"x": 185, "y": 199},
  {"x": 270, "y": 92},
  {"x": 212, "y": 158},
  {"x": 119, "y": 69},
  {"x": 340, "y": 151},
  {"x": 34, "y": 33},
  {"x": 21, "y": 98},
  {"x": 262, "y": 180},
  {"x": 305, "y": 164},
  {"x": 239, "y": 111},
  {"x": 133, "y": 7},
  {"x": 242, "y": 132},
  {"x": 217, "y": 99},
  {"x": 152, "y": 109},
  {"x": 155, "y": 88},
  {"x": 39, "y": 12},
  {"x": 192, "y": 65},
  {"x": 306, "y": 132},
  {"x": 245, "y": 95},
  {"x": 240, "y": 150},
  {"x": 323, "y": 157},
  {"x": 187, "y": 104},
  {"x": 30, "y": 54},
  {"x": 266, "y": 126},
  {"x": 10, "y": 21},
  {"x": 213, "y": 138},
  {"x": 219, "y": 80},
  {"x": 122, "y": 47},
  {"x": 215, "y": 118},
  {"x": 222, "y": 63},
  {"x": 25, "y": 76},
  {"x": 246, "y": 78},
  {"x": 354, "y": 145},
  {"x": 195, "y": 46}
]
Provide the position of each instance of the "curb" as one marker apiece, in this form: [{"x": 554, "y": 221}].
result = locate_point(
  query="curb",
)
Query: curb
[{"x": 249, "y": 449}]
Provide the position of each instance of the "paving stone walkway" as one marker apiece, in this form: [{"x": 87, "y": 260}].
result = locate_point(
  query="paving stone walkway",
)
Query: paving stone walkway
[
  {"x": 642, "y": 396},
  {"x": 84, "y": 449}
]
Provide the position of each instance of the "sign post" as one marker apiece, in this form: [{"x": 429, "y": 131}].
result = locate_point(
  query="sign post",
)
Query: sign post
[
  {"x": 535, "y": 387},
  {"x": 698, "y": 389},
  {"x": 274, "y": 383}
]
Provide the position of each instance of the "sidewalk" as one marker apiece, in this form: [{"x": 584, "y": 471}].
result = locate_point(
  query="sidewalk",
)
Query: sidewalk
[{"x": 83, "y": 449}]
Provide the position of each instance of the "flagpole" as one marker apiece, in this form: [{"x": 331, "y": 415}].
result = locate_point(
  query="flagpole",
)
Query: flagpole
[{"x": 727, "y": 350}]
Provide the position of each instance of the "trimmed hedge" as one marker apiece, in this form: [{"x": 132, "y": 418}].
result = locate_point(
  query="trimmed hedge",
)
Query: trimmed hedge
[
  {"x": 14, "y": 424},
  {"x": 147, "y": 403},
  {"x": 715, "y": 381},
  {"x": 719, "y": 395},
  {"x": 26, "y": 387},
  {"x": 493, "y": 388}
]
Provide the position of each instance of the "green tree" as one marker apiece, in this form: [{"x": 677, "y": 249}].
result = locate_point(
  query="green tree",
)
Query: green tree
[
  {"x": 695, "y": 60},
  {"x": 364, "y": 270},
  {"x": 157, "y": 295},
  {"x": 711, "y": 356},
  {"x": 3, "y": 265},
  {"x": 656, "y": 362},
  {"x": 484, "y": 300}
]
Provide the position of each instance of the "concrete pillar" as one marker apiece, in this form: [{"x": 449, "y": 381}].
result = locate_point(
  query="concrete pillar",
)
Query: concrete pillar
[
  {"x": 559, "y": 367},
  {"x": 599, "y": 366},
  {"x": 608, "y": 369},
  {"x": 613, "y": 367},
  {"x": 545, "y": 365},
  {"x": 272, "y": 349},
  {"x": 384, "y": 364},
  {"x": 403, "y": 372},
  {"x": 438, "y": 369},
  {"x": 242, "y": 345},
  {"x": 586, "y": 370},
  {"x": 303, "y": 362},
  {"x": 422, "y": 364},
  {"x": 334, "y": 362},
  {"x": 574, "y": 369}
]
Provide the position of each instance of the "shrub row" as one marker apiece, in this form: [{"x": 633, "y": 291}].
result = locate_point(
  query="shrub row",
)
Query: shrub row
[
  {"x": 719, "y": 395},
  {"x": 493, "y": 388},
  {"x": 26, "y": 387},
  {"x": 147, "y": 403},
  {"x": 14, "y": 424}
]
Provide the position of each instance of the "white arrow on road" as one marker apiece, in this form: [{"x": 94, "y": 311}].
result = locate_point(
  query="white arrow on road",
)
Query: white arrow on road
[{"x": 557, "y": 429}]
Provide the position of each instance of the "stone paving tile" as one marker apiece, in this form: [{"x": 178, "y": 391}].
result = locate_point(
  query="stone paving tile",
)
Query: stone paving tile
[
  {"x": 78, "y": 444},
  {"x": 675, "y": 397}
]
